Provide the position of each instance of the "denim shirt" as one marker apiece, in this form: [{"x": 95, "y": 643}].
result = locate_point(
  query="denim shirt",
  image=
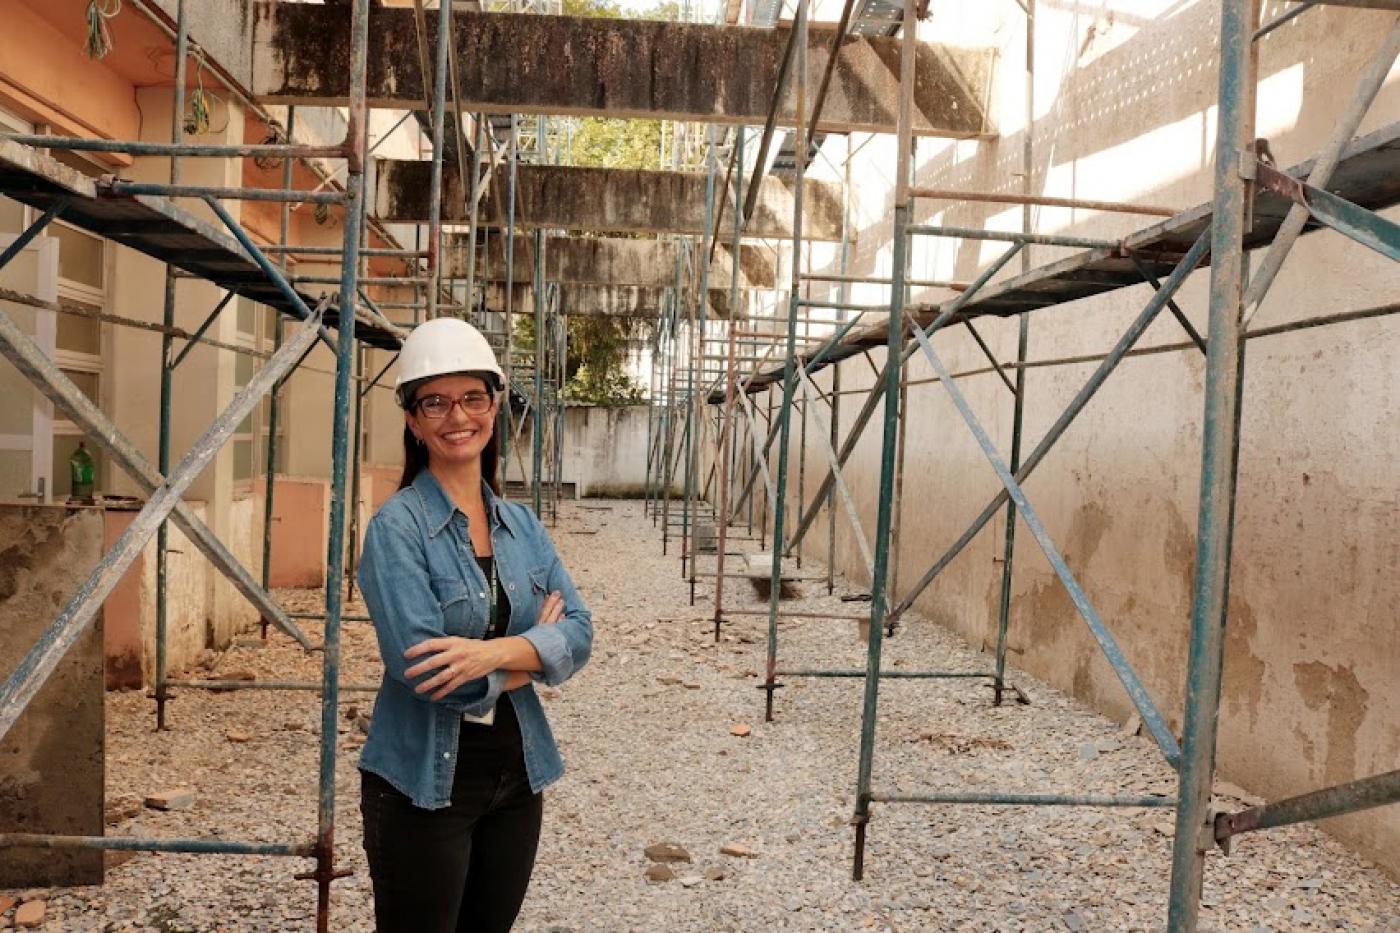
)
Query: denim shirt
[{"x": 420, "y": 580}]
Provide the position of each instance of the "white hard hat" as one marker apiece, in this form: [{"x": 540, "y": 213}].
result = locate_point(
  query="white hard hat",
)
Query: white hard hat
[{"x": 442, "y": 346}]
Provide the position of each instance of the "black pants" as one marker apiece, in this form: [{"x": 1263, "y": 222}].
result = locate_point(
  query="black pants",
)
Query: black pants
[{"x": 464, "y": 867}]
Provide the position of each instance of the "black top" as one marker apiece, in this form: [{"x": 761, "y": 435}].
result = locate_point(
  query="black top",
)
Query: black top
[
  {"x": 496, "y": 627},
  {"x": 504, "y": 733}
]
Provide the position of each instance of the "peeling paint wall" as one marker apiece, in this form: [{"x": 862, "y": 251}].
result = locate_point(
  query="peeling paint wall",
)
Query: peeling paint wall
[
  {"x": 1125, "y": 111},
  {"x": 51, "y": 760}
]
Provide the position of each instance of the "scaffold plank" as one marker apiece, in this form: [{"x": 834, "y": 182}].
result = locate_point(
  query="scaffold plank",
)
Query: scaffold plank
[
  {"x": 154, "y": 226},
  {"x": 1368, "y": 175}
]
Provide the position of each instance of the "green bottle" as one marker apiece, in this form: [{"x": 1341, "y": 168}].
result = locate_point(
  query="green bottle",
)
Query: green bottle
[{"x": 82, "y": 470}]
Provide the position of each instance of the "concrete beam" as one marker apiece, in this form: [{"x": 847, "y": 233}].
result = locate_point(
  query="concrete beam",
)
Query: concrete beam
[
  {"x": 607, "y": 261},
  {"x": 617, "y": 68},
  {"x": 604, "y": 200},
  {"x": 607, "y": 300}
]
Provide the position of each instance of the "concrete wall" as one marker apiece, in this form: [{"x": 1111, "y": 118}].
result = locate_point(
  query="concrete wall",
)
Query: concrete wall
[
  {"x": 51, "y": 760},
  {"x": 605, "y": 451},
  {"x": 1125, "y": 109}
]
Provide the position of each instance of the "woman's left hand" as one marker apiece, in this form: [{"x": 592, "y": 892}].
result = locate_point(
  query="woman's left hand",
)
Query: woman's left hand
[{"x": 456, "y": 660}]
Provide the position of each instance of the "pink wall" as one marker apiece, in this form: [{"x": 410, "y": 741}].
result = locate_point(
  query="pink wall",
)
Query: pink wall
[
  {"x": 121, "y": 613},
  {"x": 300, "y": 510}
]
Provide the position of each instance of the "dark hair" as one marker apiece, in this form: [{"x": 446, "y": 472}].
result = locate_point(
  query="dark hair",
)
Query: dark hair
[{"x": 415, "y": 452}]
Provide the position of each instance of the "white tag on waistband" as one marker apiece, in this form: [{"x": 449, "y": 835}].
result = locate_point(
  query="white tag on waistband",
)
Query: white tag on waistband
[{"x": 486, "y": 720}]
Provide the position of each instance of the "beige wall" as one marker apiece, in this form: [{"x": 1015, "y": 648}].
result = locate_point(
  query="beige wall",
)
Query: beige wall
[
  {"x": 203, "y": 385},
  {"x": 1125, "y": 111}
]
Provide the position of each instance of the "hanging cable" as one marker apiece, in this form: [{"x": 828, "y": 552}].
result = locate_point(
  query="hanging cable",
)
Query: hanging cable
[{"x": 99, "y": 37}]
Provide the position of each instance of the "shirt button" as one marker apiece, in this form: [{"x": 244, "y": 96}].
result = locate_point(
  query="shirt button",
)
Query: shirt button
[
  {"x": 481, "y": 595},
  {"x": 447, "y": 754},
  {"x": 511, "y": 587}
]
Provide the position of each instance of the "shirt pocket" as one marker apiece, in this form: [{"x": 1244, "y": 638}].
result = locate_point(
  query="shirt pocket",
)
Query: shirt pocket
[
  {"x": 463, "y": 608},
  {"x": 539, "y": 582}
]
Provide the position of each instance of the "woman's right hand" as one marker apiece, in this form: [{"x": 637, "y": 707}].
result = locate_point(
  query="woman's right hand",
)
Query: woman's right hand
[{"x": 551, "y": 610}]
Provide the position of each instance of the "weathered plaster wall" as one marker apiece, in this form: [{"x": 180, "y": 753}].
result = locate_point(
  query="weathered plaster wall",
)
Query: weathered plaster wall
[
  {"x": 51, "y": 760},
  {"x": 221, "y": 27},
  {"x": 605, "y": 450},
  {"x": 1125, "y": 110}
]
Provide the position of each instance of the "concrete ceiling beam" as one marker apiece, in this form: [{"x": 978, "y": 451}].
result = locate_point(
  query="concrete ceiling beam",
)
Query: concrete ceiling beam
[
  {"x": 604, "y": 200},
  {"x": 617, "y": 68},
  {"x": 606, "y": 300},
  {"x": 607, "y": 261}
]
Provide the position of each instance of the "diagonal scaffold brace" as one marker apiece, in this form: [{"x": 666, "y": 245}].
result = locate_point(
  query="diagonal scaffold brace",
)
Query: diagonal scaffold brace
[{"x": 22, "y": 685}]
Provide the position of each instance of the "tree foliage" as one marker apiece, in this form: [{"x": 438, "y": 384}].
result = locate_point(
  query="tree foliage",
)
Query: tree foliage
[
  {"x": 603, "y": 142},
  {"x": 599, "y": 349}
]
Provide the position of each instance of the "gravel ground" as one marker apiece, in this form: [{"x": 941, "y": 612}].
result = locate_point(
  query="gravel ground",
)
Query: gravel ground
[{"x": 646, "y": 730}]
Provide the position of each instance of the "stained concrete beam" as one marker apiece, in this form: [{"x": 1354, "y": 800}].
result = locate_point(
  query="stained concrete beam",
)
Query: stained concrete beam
[
  {"x": 617, "y": 68},
  {"x": 607, "y": 261},
  {"x": 604, "y": 200},
  {"x": 606, "y": 300}
]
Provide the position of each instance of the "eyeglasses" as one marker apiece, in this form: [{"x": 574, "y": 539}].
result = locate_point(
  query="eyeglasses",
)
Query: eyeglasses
[{"x": 436, "y": 407}]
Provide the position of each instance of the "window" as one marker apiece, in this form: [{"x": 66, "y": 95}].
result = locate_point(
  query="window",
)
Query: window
[
  {"x": 256, "y": 330},
  {"x": 78, "y": 352},
  {"x": 72, "y": 267},
  {"x": 82, "y": 282}
]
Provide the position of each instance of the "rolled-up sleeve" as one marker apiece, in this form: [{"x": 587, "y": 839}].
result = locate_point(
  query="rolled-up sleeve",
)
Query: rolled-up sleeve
[
  {"x": 564, "y": 647},
  {"x": 393, "y": 577}
]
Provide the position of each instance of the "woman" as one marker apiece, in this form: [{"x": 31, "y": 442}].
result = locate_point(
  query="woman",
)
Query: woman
[{"x": 471, "y": 605}]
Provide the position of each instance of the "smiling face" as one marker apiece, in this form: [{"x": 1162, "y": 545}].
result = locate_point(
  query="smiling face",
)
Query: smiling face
[{"x": 458, "y": 437}]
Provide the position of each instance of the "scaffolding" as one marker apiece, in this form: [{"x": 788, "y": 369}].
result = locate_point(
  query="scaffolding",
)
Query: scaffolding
[
  {"x": 148, "y": 218},
  {"x": 706, "y": 377},
  {"x": 1255, "y": 206}
]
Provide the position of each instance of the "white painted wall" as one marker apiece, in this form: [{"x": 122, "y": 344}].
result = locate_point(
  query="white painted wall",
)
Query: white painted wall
[{"x": 605, "y": 451}]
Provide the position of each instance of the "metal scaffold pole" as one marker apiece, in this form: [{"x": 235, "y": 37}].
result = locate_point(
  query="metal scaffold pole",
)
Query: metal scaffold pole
[
  {"x": 273, "y": 397},
  {"x": 1219, "y": 463},
  {"x": 770, "y": 682},
  {"x": 503, "y": 428},
  {"x": 884, "y": 510},
  {"x": 1023, "y": 327},
  {"x": 730, "y": 426},
  {"x": 177, "y": 130},
  {"x": 693, "y": 402}
]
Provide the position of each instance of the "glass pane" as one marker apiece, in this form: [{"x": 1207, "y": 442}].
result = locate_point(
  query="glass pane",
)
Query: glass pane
[
  {"x": 87, "y": 382},
  {"x": 242, "y": 459},
  {"x": 79, "y": 334},
  {"x": 80, "y": 255},
  {"x": 16, "y": 473},
  {"x": 243, "y": 368},
  {"x": 247, "y": 316},
  {"x": 17, "y": 412},
  {"x": 11, "y": 216},
  {"x": 16, "y": 395},
  {"x": 269, "y": 323},
  {"x": 63, "y": 447}
]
